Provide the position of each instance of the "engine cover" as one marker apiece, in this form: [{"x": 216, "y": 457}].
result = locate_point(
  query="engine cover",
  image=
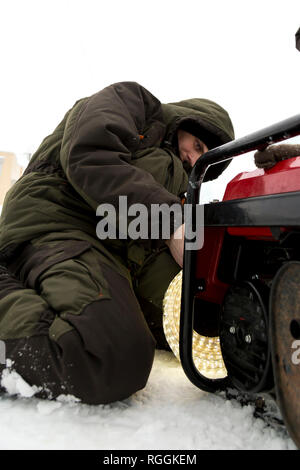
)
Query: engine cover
[{"x": 284, "y": 177}]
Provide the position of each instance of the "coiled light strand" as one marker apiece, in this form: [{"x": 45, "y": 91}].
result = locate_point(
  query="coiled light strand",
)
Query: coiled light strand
[{"x": 207, "y": 353}]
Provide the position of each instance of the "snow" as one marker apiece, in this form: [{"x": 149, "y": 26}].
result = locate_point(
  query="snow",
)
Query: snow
[
  {"x": 169, "y": 413},
  {"x": 15, "y": 384}
]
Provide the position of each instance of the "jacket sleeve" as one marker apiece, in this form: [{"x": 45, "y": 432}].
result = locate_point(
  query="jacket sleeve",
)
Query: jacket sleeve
[{"x": 100, "y": 137}]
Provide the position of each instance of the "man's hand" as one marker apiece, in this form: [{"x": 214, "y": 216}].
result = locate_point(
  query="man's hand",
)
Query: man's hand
[{"x": 176, "y": 245}]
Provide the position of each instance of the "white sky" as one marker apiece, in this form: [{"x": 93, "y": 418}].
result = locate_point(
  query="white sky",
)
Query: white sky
[{"x": 239, "y": 53}]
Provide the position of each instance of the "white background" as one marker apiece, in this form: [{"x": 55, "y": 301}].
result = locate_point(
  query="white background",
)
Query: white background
[{"x": 239, "y": 53}]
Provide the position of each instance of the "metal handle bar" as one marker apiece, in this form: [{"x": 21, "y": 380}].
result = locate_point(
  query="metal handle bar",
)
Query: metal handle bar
[{"x": 258, "y": 140}]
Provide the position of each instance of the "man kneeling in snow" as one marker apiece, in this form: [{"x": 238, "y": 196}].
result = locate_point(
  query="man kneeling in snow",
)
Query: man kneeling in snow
[{"x": 80, "y": 315}]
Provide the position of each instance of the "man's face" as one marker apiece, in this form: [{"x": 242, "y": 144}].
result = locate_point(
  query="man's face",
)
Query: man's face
[{"x": 190, "y": 147}]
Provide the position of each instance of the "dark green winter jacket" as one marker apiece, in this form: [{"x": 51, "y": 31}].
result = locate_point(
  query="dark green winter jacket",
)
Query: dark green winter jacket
[{"x": 119, "y": 141}]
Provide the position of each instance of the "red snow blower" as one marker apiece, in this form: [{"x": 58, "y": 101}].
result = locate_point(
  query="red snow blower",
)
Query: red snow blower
[{"x": 242, "y": 288}]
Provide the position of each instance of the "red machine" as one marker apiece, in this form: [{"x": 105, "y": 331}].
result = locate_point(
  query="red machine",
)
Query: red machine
[{"x": 243, "y": 285}]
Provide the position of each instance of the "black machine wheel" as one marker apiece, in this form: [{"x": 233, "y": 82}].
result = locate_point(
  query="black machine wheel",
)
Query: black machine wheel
[{"x": 244, "y": 337}]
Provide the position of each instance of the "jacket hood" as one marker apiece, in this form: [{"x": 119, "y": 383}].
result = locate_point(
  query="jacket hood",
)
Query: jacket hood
[{"x": 203, "y": 118}]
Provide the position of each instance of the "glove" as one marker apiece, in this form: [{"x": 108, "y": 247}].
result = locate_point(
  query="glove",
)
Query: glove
[{"x": 275, "y": 153}]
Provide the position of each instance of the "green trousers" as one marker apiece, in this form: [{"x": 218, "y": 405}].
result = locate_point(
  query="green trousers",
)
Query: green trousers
[{"x": 72, "y": 324}]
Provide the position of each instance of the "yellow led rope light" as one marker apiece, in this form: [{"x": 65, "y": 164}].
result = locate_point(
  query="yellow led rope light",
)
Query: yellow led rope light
[{"x": 207, "y": 353}]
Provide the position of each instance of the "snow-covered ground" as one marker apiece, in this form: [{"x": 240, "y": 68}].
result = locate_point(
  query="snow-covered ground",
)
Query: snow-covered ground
[{"x": 169, "y": 413}]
